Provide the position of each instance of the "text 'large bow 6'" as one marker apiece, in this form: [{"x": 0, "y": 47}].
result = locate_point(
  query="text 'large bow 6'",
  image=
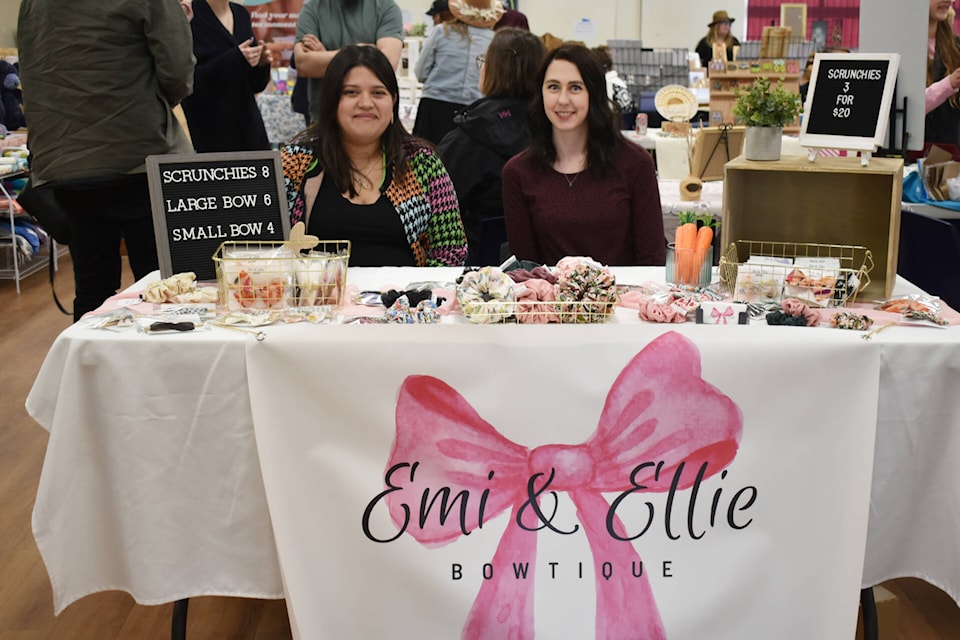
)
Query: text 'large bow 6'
[{"x": 659, "y": 409}]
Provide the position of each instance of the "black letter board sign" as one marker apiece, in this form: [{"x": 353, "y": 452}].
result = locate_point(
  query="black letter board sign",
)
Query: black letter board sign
[
  {"x": 848, "y": 102},
  {"x": 202, "y": 200}
]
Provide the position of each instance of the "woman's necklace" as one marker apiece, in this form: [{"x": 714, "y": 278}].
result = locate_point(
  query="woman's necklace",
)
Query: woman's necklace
[
  {"x": 581, "y": 164},
  {"x": 362, "y": 178}
]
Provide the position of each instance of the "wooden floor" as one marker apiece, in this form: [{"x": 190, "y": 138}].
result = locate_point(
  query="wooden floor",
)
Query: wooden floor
[{"x": 28, "y": 325}]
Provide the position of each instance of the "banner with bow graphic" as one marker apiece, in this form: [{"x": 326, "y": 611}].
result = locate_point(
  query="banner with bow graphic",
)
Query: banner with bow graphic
[{"x": 593, "y": 483}]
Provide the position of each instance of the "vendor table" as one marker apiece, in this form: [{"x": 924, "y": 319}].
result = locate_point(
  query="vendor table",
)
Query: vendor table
[{"x": 152, "y": 481}]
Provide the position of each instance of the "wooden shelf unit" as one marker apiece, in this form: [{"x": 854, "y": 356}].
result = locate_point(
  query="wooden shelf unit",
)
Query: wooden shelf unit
[
  {"x": 830, "y": 201},
  {"x": 722, "y": 85}
]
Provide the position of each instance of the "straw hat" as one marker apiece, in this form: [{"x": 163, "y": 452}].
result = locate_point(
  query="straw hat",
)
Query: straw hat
[
  {"x": 477, "y": 13},
  {"x": 676, "y": 103},
  {"x": 720, "y": 16}
]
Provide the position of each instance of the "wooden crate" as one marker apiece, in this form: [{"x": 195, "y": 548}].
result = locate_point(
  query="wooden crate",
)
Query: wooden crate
[{"x": 830, "y": 201}]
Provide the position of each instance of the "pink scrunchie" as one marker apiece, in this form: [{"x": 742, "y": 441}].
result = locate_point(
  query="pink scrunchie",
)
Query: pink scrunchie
[
  {"x": 529, "y": 296},
  {"x": 793, "y": 307},
  {"x": 656, "y": 312}
]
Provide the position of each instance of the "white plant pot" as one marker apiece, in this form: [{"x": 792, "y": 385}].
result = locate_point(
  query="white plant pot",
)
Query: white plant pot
[{"x": 762, "y": 143}]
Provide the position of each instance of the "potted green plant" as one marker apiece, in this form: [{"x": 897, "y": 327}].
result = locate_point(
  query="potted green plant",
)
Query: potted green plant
[{"x": 765, "y": 109}]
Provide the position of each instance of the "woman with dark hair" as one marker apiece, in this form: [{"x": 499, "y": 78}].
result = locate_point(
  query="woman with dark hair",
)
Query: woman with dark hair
[
  {"x": 942, "y": 123},
  {"x": 488, "y": 133},
  {"x": 231, "y": 69},
  {"x": 356, "y": 174},
  {"x": 581, "y": 189}
]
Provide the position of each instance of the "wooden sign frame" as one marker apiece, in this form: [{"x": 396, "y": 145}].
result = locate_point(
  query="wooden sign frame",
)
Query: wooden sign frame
[
  {"x": 710, "y": 153},
  {"x": 201, "y": 200},
  {"x": 814, "y": 137}
]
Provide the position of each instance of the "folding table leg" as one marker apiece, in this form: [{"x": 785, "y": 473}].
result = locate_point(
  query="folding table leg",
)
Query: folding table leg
[
  {"x": 871, "y": 628},
  {"x": 178, "y": 629}
]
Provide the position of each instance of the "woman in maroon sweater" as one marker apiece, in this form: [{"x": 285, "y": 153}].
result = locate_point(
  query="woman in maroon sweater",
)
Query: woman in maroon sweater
[{"x": 581, "y": 189}]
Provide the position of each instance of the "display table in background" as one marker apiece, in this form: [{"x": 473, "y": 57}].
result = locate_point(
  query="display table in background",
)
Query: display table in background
[
  {"x": 279, "y": 118},
  {"x": 152, "y": 481}
]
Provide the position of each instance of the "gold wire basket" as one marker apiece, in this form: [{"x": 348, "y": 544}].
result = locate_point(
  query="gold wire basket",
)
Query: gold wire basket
[
  {"x": 822, "y": 287},
  {"x": 275, "y": 276}
]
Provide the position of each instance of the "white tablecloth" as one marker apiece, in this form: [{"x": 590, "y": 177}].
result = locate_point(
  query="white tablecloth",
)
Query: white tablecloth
[{"x": 152, "y": 484}]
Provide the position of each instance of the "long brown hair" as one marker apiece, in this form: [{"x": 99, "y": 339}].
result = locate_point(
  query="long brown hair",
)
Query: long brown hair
[
  {"x": 512, "y": 61},
  {"x": 328, "y": 139},
  {"x": 603, "y": 130},
  {"x": 948, "y": 51}
]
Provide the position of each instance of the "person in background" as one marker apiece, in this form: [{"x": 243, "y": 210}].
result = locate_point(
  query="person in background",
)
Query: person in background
[
  {"x": 512, "y": 18},
  {"x": 718, "y": 33},
  {"x": 440, "y": 12},
  {"x": 488, "y": 133},
  {"x": 446, "y": 65},
  {"x": 232, "y": 68},
  {"x": 942, "y": 124},
  {"x": 581, "y": 189},
  {"x": 324, "y": 26},
  {"x": 617, "y": 90},
  {"x": 99, "y": 78},
  {"x": 358, "y": 175}
]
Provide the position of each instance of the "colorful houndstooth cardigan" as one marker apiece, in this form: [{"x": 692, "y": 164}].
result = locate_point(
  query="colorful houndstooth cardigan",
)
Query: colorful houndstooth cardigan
[{"x": 424, "y": 200}]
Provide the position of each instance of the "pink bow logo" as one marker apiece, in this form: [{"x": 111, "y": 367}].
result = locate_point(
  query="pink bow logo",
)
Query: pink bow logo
[
  {"x": 721, "y": 318},
  {"x": 658, "y": 409}
]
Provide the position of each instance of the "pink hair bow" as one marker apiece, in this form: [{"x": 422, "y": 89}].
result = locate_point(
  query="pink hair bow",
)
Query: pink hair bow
[
  {"x": 659, "y": 409},
  {"x": 721, "y": 317}
]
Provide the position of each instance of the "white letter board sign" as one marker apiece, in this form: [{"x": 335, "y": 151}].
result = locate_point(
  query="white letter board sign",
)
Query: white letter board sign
[
  {"x": 202, "y": 200},
  {"x": 848, "y": 102}
]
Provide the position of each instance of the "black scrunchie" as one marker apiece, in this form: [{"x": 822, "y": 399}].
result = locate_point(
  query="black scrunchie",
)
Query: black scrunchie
[{"x": 779, "y": 317}]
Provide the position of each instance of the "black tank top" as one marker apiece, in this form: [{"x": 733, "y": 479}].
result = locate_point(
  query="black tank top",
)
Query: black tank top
[{"x": 376, "y": 235}]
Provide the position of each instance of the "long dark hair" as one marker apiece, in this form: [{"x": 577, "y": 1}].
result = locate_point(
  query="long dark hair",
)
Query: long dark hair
[
  {"x": 325, "y": 132},
  {"x": 512, "y": 61},
  {"x": 603, "y": 129}
]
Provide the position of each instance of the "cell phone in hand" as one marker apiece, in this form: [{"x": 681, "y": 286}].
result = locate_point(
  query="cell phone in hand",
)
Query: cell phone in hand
[{"x": 253, "y": 41}]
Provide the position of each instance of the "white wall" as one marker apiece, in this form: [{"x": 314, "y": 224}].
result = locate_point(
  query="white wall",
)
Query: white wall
[{"x": 609, "y": 19}]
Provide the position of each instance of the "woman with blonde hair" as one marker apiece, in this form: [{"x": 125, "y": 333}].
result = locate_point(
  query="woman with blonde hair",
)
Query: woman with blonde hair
[
  {"x": 718, "y": 33},
  {"x": 446, "y": 65},
  {"x": 943, "y": 76}
]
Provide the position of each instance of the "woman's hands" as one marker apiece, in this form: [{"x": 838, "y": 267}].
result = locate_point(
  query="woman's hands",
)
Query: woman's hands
[
  {"x": 955, "y": 79},
  {"x": 255, "y": 54}
]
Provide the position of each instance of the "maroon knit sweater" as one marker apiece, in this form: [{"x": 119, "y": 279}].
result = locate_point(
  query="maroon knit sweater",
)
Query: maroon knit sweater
[{"x": 616, "y": 220}]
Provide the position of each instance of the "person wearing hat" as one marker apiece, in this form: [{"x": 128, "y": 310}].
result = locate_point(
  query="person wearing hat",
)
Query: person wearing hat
[
  {"x": 449, "y": 65},
  {"x": 719, "y": 33},
  {"x": 440, "y": 12}
]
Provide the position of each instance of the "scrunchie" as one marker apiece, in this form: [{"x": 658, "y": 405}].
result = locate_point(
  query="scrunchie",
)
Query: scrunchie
[
  {"x": 486, "y": 295},
  {"x": 660, "y": 312},
  {"x": 794, "y": 307},
  {"x": 536, "y": 302},
  {"x": 587, "y": 288}
]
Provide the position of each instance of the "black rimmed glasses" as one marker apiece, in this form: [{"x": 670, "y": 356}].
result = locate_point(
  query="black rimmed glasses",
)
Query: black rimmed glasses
[{"x": 480, "y": 60}]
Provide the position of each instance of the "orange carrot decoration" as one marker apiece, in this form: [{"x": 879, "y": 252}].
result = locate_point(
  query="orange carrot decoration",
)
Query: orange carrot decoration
[
  {"x": 685, "y": 245},
  {"x": 703, "y": 241}
]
